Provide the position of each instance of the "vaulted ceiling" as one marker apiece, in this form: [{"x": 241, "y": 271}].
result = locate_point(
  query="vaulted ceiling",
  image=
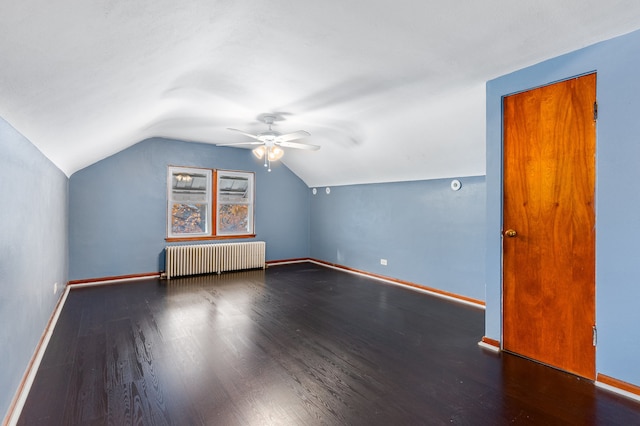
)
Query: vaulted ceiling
[{"x": 391, "y": 90}]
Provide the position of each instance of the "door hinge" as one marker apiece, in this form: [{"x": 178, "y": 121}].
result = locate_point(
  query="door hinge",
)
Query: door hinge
[
  {"x": 595, "y": 336},
  {"x": 595, "y": 110}
]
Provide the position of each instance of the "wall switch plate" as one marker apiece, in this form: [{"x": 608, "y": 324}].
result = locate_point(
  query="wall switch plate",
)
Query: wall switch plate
[{"x": 383, "y": 262}]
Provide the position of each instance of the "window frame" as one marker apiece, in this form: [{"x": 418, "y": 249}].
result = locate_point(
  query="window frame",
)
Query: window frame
[
  {"x": 250, "y": 202},
  {"x": 212, "y": 197}
]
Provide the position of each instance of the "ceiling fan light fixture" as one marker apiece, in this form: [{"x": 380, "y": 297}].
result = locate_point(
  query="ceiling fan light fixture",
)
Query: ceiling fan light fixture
[
  {"x": 259, "y": 151},
  {"x": 275, "y": 153}
]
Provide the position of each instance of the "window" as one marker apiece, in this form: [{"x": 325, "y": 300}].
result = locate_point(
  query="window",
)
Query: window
[
  {"x": 196, "y": 211},
  {"x": 189, "y": 202},
  {"x": 234, "y": 203}
]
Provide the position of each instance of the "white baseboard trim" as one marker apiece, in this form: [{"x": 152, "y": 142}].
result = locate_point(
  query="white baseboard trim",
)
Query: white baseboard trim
[
  {"x": 399, "y": 284},
  {"x": 618, "y": 391},
  {"x": 489, "y": 347},
  {"x": 34, "y": 365},
  {"x": 111, "y": 281}
]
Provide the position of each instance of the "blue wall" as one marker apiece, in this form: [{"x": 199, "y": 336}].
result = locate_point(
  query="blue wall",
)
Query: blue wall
[
  {"x": 33, "y": 252},
  {"x": 117, "y": 208},
  {"x": 617, "y": 63},
  {"x": 429, "y": 234}
]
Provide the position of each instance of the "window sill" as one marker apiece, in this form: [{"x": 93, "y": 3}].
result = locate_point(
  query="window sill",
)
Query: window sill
[{"x": 208, "y": 238}]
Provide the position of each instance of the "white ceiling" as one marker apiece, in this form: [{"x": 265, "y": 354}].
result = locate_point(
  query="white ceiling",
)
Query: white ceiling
[{"x": 392, "y": 90}]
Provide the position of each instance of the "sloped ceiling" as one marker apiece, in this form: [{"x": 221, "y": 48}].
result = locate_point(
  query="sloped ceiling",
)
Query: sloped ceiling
[{"x": 391, "y": 90}]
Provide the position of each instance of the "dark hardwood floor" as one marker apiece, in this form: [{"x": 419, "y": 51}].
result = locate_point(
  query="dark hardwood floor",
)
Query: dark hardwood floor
[{"x": 296, "y": 344}]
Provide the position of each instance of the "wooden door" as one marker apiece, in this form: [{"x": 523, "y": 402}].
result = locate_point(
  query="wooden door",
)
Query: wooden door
[{"x": 549, "y": 225}]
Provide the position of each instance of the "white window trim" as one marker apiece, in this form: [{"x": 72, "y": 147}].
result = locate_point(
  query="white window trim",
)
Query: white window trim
[
  {"x": 171, "y": 195},
  {"x": 250, "y": 202}
]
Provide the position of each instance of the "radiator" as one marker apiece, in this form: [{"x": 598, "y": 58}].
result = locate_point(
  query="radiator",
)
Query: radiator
[{"x": 213, "y": 258}]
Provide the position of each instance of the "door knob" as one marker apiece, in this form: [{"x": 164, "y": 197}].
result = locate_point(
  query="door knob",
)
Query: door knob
[{"x": 510, "y": 233}]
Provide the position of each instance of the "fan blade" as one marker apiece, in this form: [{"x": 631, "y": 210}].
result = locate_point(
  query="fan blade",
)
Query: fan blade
[
  {"x": 292, "y": 136},
  {"x": 243, "y": 132},
  {"x": 239, "y": 143},
  {"x": 298, "y": 145}
]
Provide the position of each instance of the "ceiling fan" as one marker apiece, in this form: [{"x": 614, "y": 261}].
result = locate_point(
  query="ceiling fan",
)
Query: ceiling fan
[{"x": 271, "y": 142}]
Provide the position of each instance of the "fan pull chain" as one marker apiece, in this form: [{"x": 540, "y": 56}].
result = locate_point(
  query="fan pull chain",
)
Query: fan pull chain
[{"x": 267, "y": 162}]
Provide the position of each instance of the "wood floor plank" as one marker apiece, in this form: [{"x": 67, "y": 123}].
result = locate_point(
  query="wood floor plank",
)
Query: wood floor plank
[
  {"x": 86, "y": 401},
  {"x": 295, "y": 344}
]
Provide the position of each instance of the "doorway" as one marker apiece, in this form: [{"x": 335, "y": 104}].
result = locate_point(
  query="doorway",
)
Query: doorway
[{"x": 549, "y": 225}]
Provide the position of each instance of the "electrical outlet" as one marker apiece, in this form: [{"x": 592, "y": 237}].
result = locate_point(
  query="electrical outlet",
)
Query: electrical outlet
[
  {"x": 383, "y": 262},
  {"x": 55, "y": 288}
]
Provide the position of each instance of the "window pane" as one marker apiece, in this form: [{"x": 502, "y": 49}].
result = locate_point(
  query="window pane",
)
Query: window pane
[
  {"x": 233, "y": 219},
  {"x": 233, "y": 189},
  {"x": 188, "y": 218}
]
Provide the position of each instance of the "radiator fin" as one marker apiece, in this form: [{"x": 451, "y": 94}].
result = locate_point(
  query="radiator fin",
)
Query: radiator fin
[{"x": 213, "y": 258}]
